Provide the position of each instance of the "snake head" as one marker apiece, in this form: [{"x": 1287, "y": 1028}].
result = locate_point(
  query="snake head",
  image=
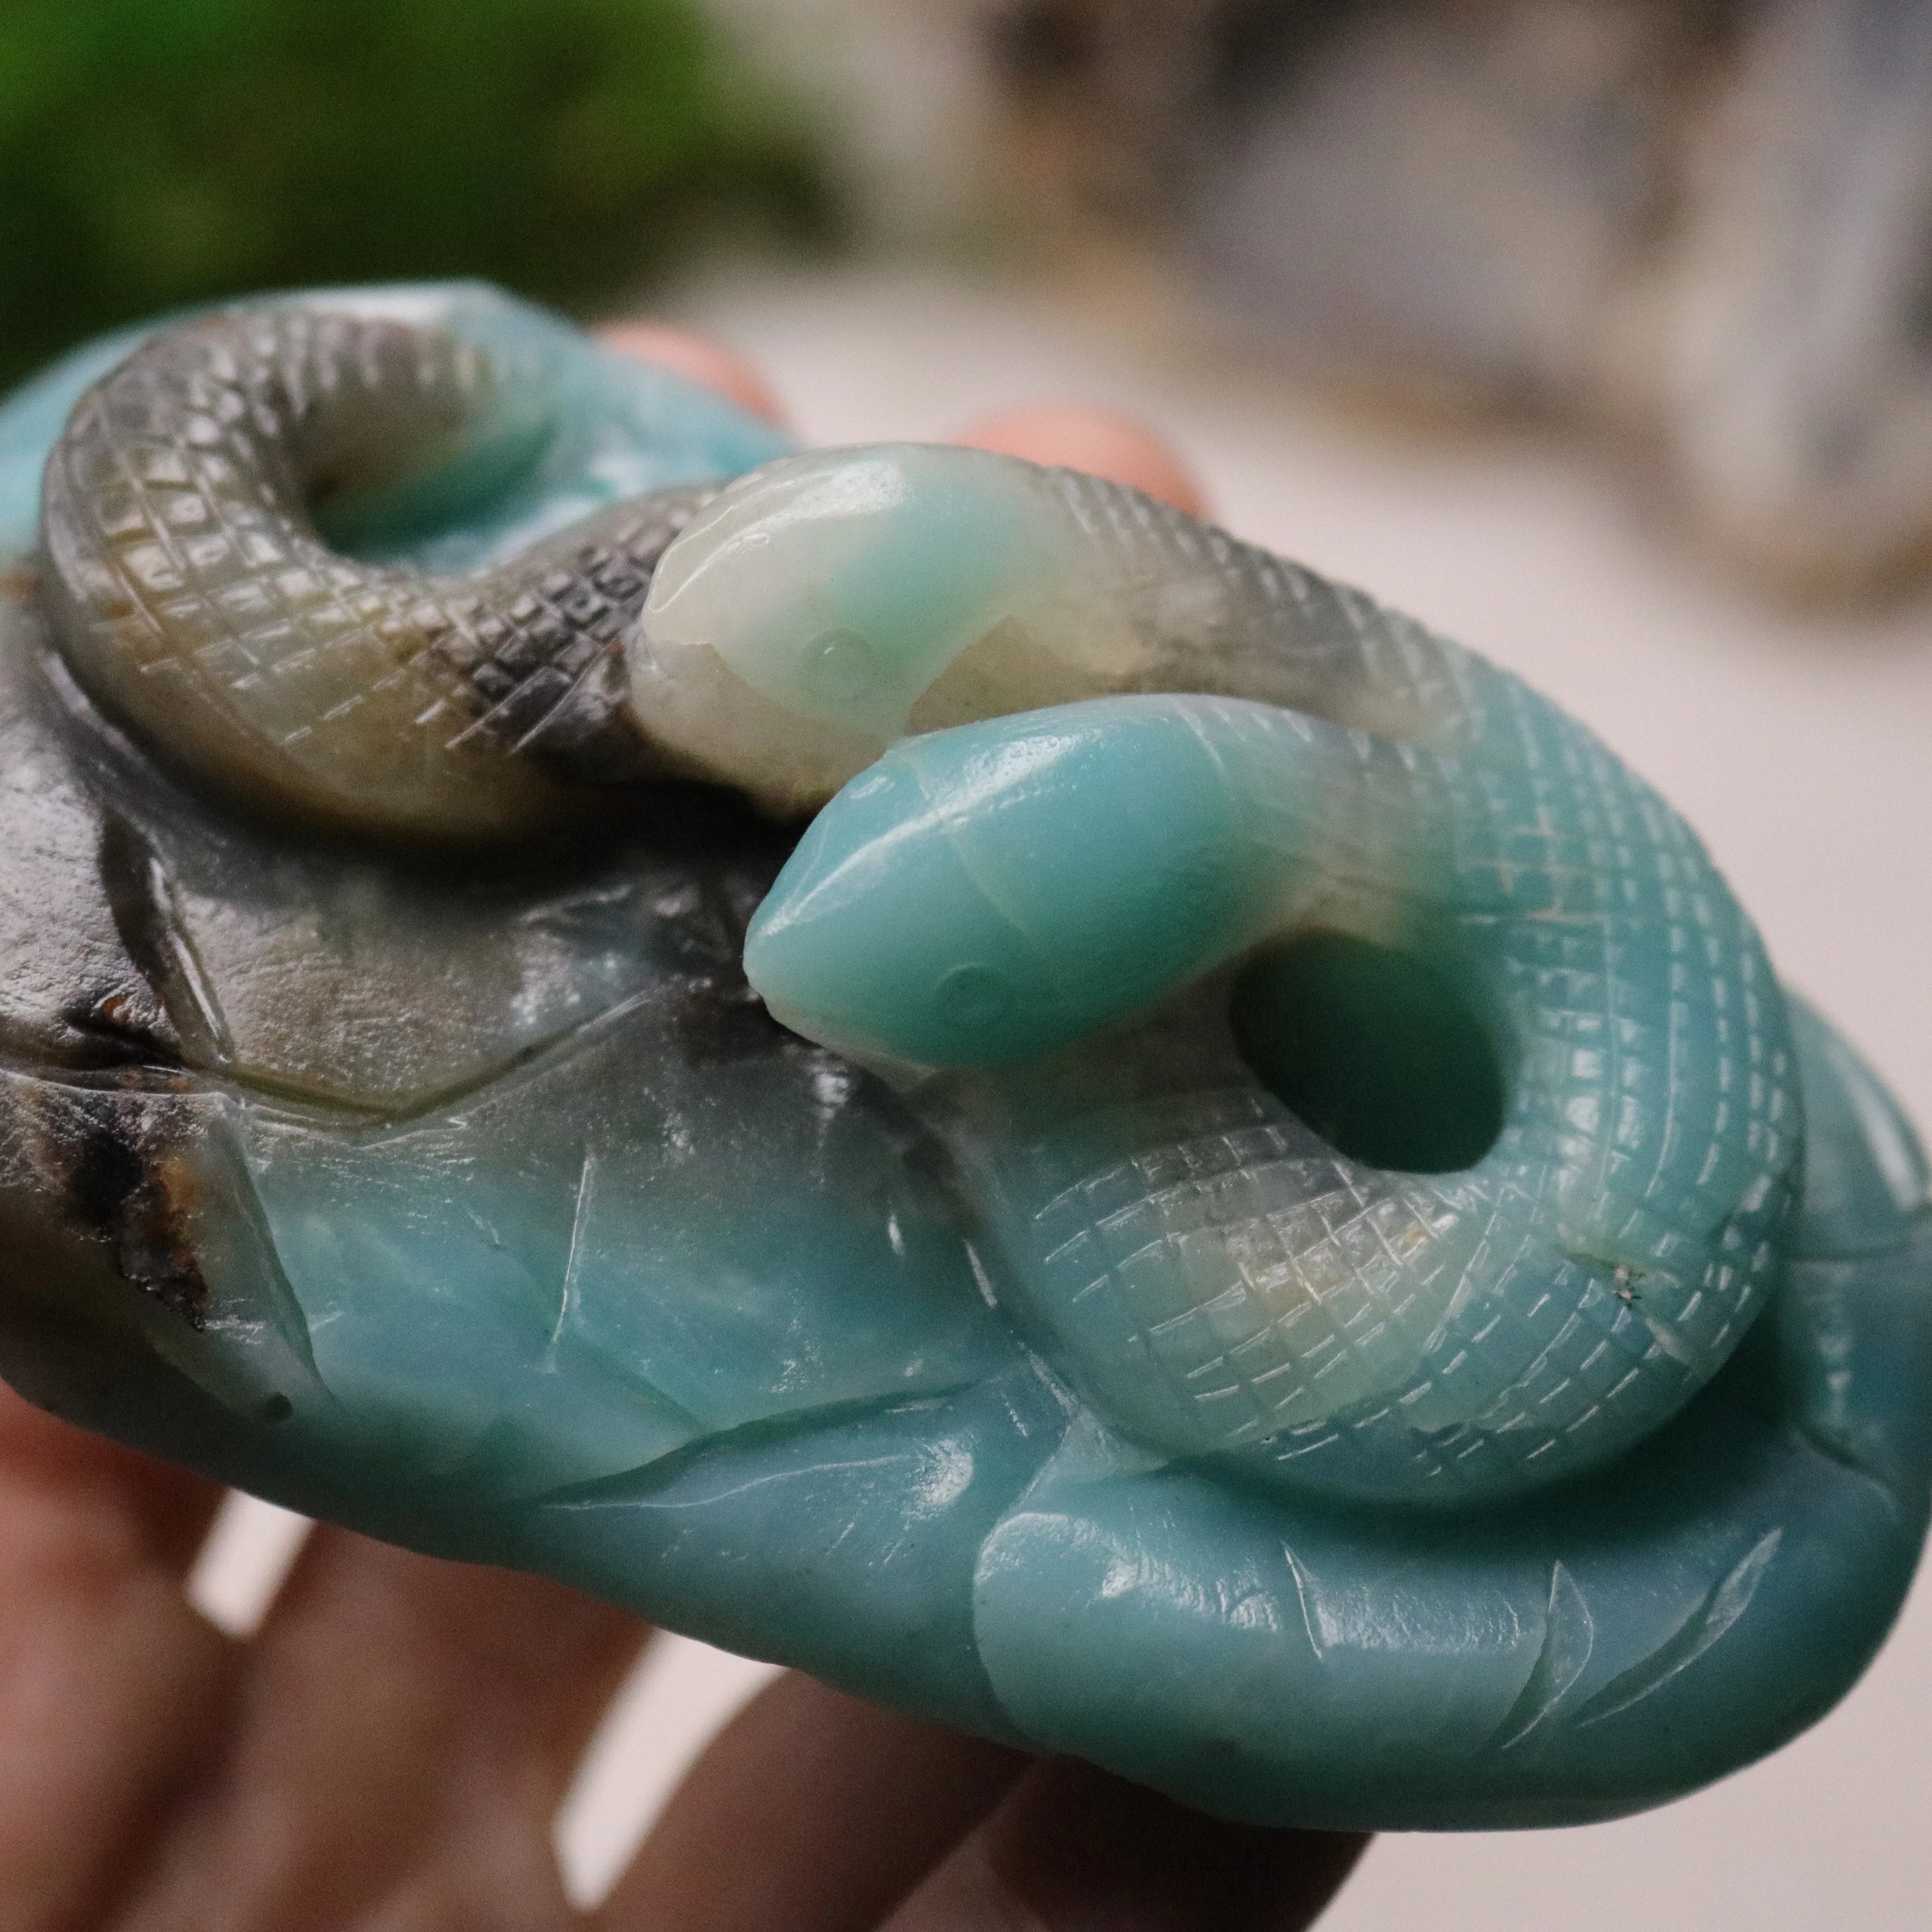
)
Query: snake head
[{"x": 992, "y": 892}]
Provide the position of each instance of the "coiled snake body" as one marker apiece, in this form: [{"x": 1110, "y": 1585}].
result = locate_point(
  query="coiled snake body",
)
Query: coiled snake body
[
  {"x": 1249, "y": 1071},
  {"x": 199, "y": 604},
  {"x": 1214, "y": 1275}
]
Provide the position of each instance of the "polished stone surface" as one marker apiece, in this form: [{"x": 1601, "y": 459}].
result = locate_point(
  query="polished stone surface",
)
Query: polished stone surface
[{"x": 470, "y": 1150}]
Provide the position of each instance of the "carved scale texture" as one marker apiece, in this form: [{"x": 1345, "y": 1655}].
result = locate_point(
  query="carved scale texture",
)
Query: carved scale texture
[
  {"x": 1221, "y": 1281},
  {"x": 201, "y": 607},
  {"x": 522, "y": 1236}
]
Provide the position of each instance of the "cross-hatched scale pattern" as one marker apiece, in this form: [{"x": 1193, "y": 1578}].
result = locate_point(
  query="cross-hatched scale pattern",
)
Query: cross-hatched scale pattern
[
  {"x": 204, "y": 609},
  {"x": 1276, "y": 1302},
  {"x": 1225, "y": 1284}
]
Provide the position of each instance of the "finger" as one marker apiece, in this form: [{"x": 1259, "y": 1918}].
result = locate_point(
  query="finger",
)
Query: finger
[
  {"x": 1072, "y": 1849},
  {"x": 407, "y": 1731},
  {"x": 112, "y": 1689},
  {"x": 165, "y": 1511},
  {"x": 1103, "y": 442},
  {"x": 709, "y": 363},
  {"x": 811, "y": 1812}
]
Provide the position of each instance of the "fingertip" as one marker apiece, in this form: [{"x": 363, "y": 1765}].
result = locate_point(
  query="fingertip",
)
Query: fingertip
[
  {"x": 1078, "y": 1846},
  {"x": 723, "y": 370},
  {"x": 1103, "y": 442},
  {"x": 854, "y": 1806}
]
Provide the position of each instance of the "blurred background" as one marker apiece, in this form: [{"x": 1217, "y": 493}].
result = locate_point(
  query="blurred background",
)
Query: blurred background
[
  {"x": 1598, "y": 333},
  {"x": 1693, "y": 233}
]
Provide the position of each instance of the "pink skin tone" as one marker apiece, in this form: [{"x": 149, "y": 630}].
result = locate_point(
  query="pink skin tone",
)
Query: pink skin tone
[{"x": 386, "y": 1754}]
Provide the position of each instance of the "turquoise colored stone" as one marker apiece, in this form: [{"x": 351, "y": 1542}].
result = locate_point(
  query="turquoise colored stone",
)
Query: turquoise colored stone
[
  {"x": 470, "y": 1195},
  {"x": 910, "y": 927}
]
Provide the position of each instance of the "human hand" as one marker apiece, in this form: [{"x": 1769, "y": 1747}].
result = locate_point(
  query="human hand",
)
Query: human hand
[{"x": 389, "y": 1750}]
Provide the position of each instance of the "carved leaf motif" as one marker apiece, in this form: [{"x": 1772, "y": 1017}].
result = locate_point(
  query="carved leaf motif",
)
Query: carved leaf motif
[
  {"x": 1569, "y": 1634},
  {"x": 1702, "y": 1628}
]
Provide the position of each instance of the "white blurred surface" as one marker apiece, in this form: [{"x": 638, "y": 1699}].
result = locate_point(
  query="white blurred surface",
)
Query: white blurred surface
[
  {"x": 680, "y": 1695},
  {"x": 249, "y": 1550},
  {"x": 1798, "y": 747}
]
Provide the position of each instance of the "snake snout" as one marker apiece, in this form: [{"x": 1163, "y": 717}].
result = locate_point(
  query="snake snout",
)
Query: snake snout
[{"x": 1003, "y": 888}]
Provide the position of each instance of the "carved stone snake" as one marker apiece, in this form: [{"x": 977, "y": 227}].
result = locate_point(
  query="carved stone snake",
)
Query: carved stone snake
[{"x": 1022, "y": 1331}]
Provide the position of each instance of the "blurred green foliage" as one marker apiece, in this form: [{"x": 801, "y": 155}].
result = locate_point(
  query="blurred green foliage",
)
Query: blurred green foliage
[{"x": 154, "y": 152}]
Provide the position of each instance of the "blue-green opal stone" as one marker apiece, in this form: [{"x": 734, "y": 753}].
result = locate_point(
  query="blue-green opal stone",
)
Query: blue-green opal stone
[{"x": 519, "y": 1231}]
